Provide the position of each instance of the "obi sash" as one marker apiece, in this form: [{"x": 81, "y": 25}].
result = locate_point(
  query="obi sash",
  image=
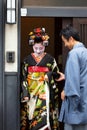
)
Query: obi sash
[{"x": 37, "y": 69}]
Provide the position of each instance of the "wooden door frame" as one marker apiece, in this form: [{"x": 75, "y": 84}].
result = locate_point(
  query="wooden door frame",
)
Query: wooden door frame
[{"x": 55, "y": 11}]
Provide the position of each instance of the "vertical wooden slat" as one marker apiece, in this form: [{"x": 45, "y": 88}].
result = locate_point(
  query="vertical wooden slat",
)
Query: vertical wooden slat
[
  {"x": 83, "y": 33},
  {"x": 81, "y": 25}
]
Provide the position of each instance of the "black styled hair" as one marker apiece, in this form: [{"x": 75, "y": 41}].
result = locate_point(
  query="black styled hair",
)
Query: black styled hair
[
  {"x": 38, "y": 39},
  {"x": 69, "y": 31}
]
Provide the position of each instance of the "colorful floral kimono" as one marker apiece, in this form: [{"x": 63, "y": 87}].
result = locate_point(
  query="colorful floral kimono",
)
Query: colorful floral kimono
[{"x": 40, "y": 112}]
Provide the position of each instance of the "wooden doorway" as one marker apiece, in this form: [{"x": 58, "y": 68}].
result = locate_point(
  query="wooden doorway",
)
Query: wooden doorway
[{"x": 53, "y": 26}]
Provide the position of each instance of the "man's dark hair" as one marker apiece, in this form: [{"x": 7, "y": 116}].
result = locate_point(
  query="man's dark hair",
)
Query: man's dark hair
[{"x": 69, "y": 31}]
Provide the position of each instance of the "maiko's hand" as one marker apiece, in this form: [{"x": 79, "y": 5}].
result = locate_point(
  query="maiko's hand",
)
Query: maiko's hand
[
  {"x": 25, "y": 99},
  {"x": 46, "y": 78},
  {"x": 62, "y": 76}
]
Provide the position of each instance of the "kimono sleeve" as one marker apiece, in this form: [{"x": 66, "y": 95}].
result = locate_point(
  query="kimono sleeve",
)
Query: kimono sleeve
[
  {"x": 53, "y": 73},
  {"x": 24, "y": 83}
]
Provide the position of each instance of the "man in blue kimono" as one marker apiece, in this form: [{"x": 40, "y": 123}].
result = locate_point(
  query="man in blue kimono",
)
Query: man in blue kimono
[{"x": 74, "y": 95}]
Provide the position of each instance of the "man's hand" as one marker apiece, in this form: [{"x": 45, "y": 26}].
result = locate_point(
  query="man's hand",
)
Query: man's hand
[
  {"x": 62, "y": 77},
  {"x": 63, "y": 95}
]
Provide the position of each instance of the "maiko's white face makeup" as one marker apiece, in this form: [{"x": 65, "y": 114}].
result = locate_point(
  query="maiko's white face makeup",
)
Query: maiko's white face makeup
[{"x": 38, "y": 48}]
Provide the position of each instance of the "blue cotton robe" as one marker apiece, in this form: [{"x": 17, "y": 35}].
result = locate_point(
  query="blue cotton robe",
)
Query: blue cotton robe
[{"x": 74, "y": 107}]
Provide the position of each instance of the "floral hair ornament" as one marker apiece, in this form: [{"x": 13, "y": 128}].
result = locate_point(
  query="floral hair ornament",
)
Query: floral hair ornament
[{"x": 37, "y": 36}]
